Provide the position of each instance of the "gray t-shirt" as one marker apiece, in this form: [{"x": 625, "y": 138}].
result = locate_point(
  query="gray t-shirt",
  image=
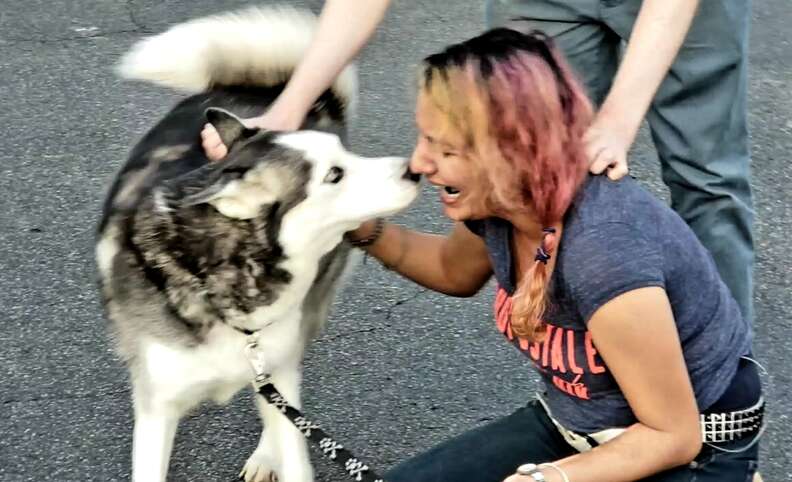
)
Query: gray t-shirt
[{"x": 617, "y": 237}]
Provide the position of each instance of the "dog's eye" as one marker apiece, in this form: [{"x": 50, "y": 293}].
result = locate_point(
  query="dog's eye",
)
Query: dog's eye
[
  {"x": 235, "y": 172},
  {"x": 334, "y": 175}
]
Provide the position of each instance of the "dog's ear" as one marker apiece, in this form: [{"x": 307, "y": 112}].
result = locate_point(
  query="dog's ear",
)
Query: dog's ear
[
  {"x": 229, "y": 127},
  {"x": 203, "y": 192},
  {"x": 239, "y": 200},
  {"x": 204, "y": 184}
]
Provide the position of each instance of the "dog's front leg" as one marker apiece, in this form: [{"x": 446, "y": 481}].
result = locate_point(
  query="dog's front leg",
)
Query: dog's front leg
[
  {"x": 263, "y": 465},
  {"x": 295, "y": 463},
  {"x": 155, "y": 429}
]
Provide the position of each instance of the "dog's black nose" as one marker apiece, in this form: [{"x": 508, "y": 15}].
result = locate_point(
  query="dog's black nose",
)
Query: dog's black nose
[{"x": 411, "y": 176}]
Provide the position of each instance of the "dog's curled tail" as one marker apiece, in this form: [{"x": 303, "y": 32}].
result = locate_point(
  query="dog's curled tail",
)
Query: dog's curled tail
[{"x": 258, "y": 46}]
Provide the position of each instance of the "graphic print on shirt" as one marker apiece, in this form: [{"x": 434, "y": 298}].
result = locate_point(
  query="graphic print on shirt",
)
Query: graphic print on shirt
[{"x": 566, "y": 358}]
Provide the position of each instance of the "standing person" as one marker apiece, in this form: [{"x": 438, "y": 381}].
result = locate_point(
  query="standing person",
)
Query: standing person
[
  {"x": 601, "y": 286},
  {"x": 688, "y": 71},
  {"x": 695, "y": 93}
]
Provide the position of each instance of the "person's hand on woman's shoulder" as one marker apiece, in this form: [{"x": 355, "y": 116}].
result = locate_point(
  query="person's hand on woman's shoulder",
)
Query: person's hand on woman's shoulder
[{"x": 607, "y": 145}]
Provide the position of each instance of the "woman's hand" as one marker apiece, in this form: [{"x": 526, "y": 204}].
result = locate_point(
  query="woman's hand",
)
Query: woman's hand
[
  {"x": 550, "y": 476},
  {"x": 518, "y": 478},
  {"x": 363, "y": 231}
]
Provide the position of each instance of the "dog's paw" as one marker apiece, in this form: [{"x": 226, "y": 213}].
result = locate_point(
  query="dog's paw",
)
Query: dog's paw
[{"x": 259, "y": 468}]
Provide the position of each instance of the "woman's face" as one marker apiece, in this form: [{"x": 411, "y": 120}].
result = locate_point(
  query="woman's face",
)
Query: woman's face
[{"x": 440, "y": 155}]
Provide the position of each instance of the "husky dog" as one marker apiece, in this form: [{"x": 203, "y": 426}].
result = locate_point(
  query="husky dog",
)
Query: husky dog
[{"x": 194, "y": 256}]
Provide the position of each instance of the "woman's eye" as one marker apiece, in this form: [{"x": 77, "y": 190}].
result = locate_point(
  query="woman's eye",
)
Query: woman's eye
[
  {"x": 449, "y": 154},
  {"x": 334, "y": 175}
]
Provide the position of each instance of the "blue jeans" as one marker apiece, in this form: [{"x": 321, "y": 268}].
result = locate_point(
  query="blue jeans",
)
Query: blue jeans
[
  {"x": 494, "y": 451},
  {"x": 698, "y": 118}
]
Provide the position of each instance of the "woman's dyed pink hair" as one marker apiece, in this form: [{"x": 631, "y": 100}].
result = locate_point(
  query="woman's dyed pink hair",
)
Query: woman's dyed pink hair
[{"x": 521, "y": 111}]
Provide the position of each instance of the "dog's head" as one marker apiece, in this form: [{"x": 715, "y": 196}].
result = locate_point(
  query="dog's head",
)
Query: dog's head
[{"x": 306, "y": 182}]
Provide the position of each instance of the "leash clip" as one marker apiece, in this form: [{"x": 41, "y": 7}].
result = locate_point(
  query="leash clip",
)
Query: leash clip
[{"x": 257, "y": 361}]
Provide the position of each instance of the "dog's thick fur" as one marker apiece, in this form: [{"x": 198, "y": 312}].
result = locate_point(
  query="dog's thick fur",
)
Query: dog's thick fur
[{"x": 192, "y": 254}]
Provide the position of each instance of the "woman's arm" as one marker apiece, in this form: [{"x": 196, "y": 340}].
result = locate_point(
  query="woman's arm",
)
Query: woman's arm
[
  {"x": 457, "y": 264},
  {"x": 637, "y": 338},
  {"x": 344, "y": 28},
  {"x": 658, "y": 34}
]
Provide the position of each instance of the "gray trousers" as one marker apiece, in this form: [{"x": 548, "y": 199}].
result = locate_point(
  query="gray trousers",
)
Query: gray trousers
[{"x": 697, "y": 119}]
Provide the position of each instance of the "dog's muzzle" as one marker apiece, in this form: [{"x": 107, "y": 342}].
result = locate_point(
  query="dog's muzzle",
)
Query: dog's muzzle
[{"x": 411, "y": 176}]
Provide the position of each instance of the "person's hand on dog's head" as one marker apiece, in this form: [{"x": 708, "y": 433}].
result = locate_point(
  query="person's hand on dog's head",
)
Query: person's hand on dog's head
[
  {"x": 274, "y": 119},
  {"x": 213, "y": 146}
]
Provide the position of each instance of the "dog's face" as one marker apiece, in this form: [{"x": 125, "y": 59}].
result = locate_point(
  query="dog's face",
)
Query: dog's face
[
  {"x": 306, "y": 182},
  {"x": 345, "y": 189}
]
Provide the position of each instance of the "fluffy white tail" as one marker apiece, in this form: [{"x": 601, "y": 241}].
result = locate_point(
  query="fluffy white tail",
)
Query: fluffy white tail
[{"x": 258, "y": 46}]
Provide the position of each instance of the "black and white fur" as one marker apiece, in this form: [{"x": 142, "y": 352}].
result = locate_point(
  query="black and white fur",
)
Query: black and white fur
[{"x": 191, "y": 254}]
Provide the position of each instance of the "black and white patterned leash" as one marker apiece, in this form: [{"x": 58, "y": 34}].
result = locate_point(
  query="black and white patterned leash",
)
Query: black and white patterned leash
[{"x": 331, "y": 449}]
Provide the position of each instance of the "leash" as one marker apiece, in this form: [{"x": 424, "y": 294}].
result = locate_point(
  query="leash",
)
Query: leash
[{"x": 331, "y": 449}]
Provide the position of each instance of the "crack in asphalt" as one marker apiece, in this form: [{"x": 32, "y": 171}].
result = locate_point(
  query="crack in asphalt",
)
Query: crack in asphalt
[
  {"x": 12, "y": 41},
  {"x": 404, "y": 301},
  {"x": 57, "y": 397},
  {"x": 139, "y": 27},
  {"x": 130, "y": 7},
  {"x": 388, "y": 314},
  {"x": 344, "y": 335}
]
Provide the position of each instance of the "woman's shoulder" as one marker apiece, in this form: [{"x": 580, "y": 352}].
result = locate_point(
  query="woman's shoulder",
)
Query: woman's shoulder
[
  {"x": 605, "y": 255},
  {"x": 602, "y": 202},
  {"x": 488, "y": 228}
]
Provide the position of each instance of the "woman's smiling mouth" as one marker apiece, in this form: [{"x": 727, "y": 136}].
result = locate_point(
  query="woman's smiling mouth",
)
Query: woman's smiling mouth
[{"x": 449, "y": 194}]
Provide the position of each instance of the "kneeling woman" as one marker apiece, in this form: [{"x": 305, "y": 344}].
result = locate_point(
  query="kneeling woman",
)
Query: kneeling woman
[{"x": 604, "y": 288}]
